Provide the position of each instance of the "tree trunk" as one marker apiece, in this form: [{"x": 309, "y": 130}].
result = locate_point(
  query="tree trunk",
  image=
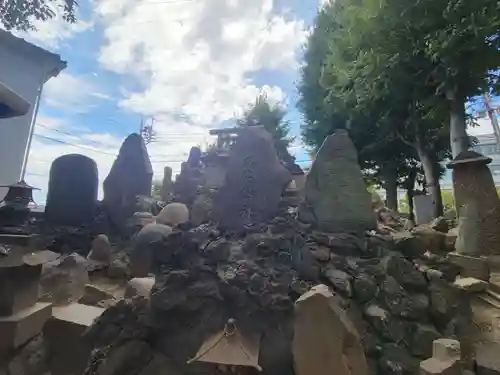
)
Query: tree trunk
[
  {"x": 410, "y": 193},
  {"x": 431, "y": 178},
  {"x": 391, "y": 187},
  {"x": 458, "y": 135}
]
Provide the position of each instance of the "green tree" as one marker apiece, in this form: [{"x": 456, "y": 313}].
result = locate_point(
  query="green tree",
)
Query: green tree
[
  {"x": 19, "y": 14},
  {"x": 272, "y": 117},
  {"x": 371, "y": 80}
]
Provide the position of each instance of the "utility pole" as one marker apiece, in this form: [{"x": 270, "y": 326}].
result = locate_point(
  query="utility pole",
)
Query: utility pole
[
  {"x": 493, "y": 117},
  {"x": 147, "y": 131}
]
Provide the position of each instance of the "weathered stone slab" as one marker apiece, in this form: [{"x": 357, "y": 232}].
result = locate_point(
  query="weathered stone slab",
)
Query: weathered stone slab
[
  {"x": 255, "y": 181},
  {"x": 470, "y": 284},
  {"x": 325, "y": 340},
  {"x": 336, "y": 199},
  {"x": 72, "y": 194},
  {"x": 18, "y": 328},
  {"x": 434, "y": 366}
]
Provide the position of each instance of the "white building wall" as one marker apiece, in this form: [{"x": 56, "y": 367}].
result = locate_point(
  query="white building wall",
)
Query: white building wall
[
  {"x": 24, "y": 68},
  {"x": 24, "y": 77}
]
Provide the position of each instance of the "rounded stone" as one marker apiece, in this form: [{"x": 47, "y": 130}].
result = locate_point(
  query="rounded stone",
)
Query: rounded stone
[{"x": 173, "y": 214}]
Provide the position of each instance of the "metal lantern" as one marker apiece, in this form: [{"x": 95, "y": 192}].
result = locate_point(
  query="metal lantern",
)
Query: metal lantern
[{"x": 19, "y": 194}]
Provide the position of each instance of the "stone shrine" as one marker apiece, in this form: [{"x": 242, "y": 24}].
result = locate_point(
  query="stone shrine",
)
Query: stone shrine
[
  {"x": 336, "y": 199},
  {"x": 72, "y": 194},
  {"x": 476, "y": 199},
  {"x": 131, "y": 175},
  {"x": 255, "y": 181}
]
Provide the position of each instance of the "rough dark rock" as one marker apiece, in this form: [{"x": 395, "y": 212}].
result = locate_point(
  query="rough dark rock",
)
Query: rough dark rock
[
  {"x": 404, "y": 272},
  {"x": 365, "y": 288},
  {"x": 340, "y": 280}
]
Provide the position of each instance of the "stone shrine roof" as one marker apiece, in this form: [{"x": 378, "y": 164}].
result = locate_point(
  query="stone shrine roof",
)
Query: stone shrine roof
[{"x": 467, "y": 157}]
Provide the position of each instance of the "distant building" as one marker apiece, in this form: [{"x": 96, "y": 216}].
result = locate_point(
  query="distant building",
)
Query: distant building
[
  {"x": 487, "y": 146},
  {"x": 24, "y": 68}
]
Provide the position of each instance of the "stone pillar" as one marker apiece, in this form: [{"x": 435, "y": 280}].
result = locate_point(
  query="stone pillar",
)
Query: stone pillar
[{"x": 167, "y": 185}]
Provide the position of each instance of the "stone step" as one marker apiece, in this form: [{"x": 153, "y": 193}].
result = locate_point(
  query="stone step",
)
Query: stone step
[{"x": 491, "y": 299}]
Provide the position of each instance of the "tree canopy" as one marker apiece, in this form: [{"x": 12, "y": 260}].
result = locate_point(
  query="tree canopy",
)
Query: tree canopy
[
  {"x": 19, "y": 14},
  {"x": 272, "y": 117},
  {"x": 397, "y": 74}
]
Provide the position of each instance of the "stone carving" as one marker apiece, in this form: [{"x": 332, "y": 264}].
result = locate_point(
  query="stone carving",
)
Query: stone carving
[
  {"x": 336, "y": 199},
  {"x": 167, "y": 185},
  {"x": 476, "y": 198},
  {"x": 131, "y": 175},
  {"x": 255, "y": 181},
  {"x": 72, "y": 194},
  {"x": 325, "y": 340}
]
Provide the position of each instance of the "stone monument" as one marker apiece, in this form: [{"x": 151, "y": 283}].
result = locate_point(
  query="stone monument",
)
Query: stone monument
[
  {"x": 131, "y": 175},
  {"x": 336, "y": 198},
  {"x": 476, "y": 199},
  {"x": 254, "y": 183},
  {"x": 72, "y": 194}
]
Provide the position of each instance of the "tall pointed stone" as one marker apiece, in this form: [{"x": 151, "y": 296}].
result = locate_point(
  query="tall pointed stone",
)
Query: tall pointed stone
[
  {"x": 255, "y": 180},
  {"x": 336, "y": 198},
  {"x": 131, "y": 175}
]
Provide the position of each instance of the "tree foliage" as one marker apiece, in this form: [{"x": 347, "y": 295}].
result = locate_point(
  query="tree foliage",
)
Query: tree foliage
[
  {"x": 272, "y": 117},
  {"x": 397, "y": 74},
  {"x": 19, "y": 14}
]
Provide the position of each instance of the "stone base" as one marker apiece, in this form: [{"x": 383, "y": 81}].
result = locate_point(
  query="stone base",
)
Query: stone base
[
  {"x": 471, "y": 266},
  {"x": 18, "y": 288},
  {"x": 69, "y": 352},
  {"x": 17, "y": 329}
]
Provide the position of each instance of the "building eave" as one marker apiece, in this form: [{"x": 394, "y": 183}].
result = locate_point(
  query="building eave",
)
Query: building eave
[{"x": 51, "y": 60}]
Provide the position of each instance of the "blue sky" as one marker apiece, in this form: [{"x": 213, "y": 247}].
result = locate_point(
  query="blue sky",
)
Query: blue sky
[{"x": 192, "y": 65}]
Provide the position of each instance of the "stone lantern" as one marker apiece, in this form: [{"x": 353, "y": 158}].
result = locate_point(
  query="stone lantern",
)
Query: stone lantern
[{"x": 14, "y": 213}]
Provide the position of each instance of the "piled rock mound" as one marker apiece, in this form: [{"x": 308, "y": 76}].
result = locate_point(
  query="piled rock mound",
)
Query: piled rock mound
[{"x": 206, "y": 275}]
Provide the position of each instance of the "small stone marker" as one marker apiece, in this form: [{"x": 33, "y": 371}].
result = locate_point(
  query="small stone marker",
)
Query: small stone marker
[
  {"x": 18, "y": 328},
  {"x": 325, "y": 340},
  {"x": 101, "y": 249},
  {"x": 68, "y": 349}
]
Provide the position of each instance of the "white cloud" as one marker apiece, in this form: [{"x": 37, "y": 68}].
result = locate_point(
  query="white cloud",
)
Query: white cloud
[
  {"x": 52, "y": 32},
  {"x": 484, "y": 127},
  {"x": 193, "y": 61},
  {"x": 194, "y": 57},
  {"x": 75, "y": 93}
]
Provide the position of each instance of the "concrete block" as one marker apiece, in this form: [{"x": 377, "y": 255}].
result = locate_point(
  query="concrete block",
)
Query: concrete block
[
  {"x": 68, "y": 350},
  {"x": 434, "y": 366},
  {"x": 18, "y": 328},
  {"x": 471, "y": 266},
  {"x": 444, "y": 349},
  {"x": 18, "y": 288},
  {"x": 470, "y": 284}
]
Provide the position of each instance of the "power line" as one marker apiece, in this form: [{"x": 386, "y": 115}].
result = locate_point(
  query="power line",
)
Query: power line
[{"x": 72, "y": 144}]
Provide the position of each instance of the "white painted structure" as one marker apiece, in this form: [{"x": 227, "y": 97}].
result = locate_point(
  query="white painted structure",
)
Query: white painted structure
[{"x": 24, "y": 68}]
